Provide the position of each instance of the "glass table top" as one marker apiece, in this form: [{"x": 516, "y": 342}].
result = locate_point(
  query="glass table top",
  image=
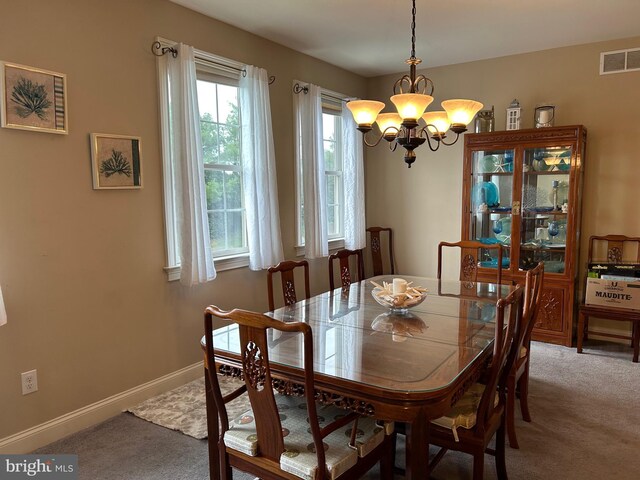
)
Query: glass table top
[{"x": 359, "y": 340}]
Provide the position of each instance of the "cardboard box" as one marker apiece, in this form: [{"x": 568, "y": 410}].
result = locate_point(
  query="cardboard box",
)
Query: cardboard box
[{"x": 613, "y": 293}]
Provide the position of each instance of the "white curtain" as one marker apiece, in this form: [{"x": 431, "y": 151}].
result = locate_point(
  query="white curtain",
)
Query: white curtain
[
  {"x": 354, "y": 214},
  {"x": 3, "y": 312},
  {"x": 259, "y": 170},
  {"x": 310, "y": 152},
  {"x": 185, "y": 150}
]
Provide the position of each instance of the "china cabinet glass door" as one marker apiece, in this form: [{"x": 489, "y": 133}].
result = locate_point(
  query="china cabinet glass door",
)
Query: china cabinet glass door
[
  {"x": 491, "y": 202},
  {"x": 545, "y": 203}
]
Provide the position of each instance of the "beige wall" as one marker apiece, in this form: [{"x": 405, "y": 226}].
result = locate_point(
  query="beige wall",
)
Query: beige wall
[
  {"x": 423, "y": 204},
  {"x": 81, "y": 270},
  {"x": 88, "y": 302}
]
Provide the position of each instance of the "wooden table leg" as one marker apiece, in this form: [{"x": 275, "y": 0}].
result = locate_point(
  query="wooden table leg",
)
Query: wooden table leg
[{"x": 417, "y": 448}]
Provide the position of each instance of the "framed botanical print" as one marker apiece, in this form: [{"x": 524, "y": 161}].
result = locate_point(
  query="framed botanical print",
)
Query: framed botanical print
[
  {"x": 116, "y": 161},
  {"x": 33, "y": 99}
]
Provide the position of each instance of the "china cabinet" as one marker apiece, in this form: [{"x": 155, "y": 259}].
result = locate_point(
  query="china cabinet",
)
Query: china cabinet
[{"x": 522, "y": 189}]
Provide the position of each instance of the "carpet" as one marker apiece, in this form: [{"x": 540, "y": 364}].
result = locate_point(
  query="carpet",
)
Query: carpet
[
  {"x": 585, "y": 425},
  {"x": 184, "y": 408}
]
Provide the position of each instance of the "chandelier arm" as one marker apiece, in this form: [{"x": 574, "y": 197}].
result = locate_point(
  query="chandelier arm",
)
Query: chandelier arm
[
  {"x": 428, "y": 86},
  {"x": 375, "y": 143},
  {"x": 448, "y": 144},
  {"x": 424, "y": 133},
  {"x": 397, "y": 87},
  {"x": 393, "y": 145}
]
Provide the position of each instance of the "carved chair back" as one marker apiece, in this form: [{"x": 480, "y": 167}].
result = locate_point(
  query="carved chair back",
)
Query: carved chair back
[
  {"x": 614, "y": 249},
  {"x": 287, "y": 270},
  {"x": 470, "y": 257},
  {"x": 376, "y": 249},
  {"x": 257, "y": 376},
  {"x": 489, "y": 414},
  {"x": 504, "y": 353},
  {"x": 347, "y": 277},
  {"x": 518, "y": 378},
  {"x": 532, "y": 298}
]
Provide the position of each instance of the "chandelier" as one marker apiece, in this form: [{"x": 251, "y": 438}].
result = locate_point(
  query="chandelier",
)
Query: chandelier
[{"x": 412, "y": 94}]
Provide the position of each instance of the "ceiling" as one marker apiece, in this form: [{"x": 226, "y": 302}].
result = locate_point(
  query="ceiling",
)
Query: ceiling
[{"x": 373, "y": 37}]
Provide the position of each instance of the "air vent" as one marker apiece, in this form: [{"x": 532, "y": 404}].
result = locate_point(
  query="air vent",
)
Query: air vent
[{"x": 620, "y": 61}]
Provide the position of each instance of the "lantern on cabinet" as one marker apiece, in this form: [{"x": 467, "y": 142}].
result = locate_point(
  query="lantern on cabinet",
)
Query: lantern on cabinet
[
  {"x": 544, "y": 116},
  {"x": 513, "y": 115}
]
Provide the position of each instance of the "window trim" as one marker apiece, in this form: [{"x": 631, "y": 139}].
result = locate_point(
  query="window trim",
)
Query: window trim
[{"x": 223, "y": 67}]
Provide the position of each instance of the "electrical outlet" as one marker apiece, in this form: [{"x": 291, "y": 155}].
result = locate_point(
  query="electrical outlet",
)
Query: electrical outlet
[{"x": 29, "y": 382}]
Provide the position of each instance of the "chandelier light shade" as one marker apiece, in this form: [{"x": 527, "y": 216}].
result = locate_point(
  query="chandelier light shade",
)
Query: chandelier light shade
[
  {"x": 389, "y": 124},
  {"x": 437, "y": 122},
  {"x": 365, "y": 111},
  {"x": 461, "y": 111},
  {"x": 411, "y": 106},
  {"x": 412, "y": 96}
]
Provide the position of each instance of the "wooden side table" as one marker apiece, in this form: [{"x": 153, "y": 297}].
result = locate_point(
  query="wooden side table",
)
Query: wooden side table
[{"x": 609, "y": 313}]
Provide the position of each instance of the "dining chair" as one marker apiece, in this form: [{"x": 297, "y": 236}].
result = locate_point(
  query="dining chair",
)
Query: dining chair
[
  {"x": 611, "y": 249},
  {"x": 287, "y": 274},
  {"x": 346, "y": 276},
  {"x": 518, "y": 379},
  {"x": 375, "y": 241},
  {"x": 470, "y": 257},
  {"x": 480, "y": 413},
  {"x": 284, "y": 437}
]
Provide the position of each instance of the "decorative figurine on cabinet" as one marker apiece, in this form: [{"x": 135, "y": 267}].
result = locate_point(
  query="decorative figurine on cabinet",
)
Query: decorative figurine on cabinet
[{"x": 513, "y": 115}]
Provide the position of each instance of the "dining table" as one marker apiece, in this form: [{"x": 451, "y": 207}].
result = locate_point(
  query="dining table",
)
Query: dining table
[{"x": 397, "y": 365}]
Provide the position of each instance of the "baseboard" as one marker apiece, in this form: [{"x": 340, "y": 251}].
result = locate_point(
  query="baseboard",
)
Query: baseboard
[{"x": 35, "y": 437}]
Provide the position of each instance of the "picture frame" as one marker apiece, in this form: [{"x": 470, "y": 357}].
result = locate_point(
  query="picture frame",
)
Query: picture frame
[
  {"x": 33, "y": 99},
  {"x": 116, "y": 161}
]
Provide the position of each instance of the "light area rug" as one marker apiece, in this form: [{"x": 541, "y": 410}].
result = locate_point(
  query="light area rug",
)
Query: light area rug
[{"x": 184, "y": 408}]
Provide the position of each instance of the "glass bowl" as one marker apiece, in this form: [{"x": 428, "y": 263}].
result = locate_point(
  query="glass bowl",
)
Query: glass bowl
[{"x": 397, "y": 303}]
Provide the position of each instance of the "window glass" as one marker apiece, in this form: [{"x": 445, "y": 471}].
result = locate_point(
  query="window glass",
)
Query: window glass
[
  {"x": 220, "y": 131},
  {"x": 331, "y": 133}
]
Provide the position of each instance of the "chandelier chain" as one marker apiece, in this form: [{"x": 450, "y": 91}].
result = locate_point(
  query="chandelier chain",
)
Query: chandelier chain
[{"x": 413, "y": 30}]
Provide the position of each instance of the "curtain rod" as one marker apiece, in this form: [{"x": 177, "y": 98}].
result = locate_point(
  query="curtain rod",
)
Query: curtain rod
[
  {"x": 297, "y": 88},
  {"x": 158, "y": 50}
]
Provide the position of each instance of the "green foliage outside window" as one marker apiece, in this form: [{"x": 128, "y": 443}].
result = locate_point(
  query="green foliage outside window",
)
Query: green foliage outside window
[{"x": 221, "y": 146}]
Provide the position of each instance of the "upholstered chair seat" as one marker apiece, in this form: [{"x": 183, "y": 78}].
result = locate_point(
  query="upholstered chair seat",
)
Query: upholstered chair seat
[
  {"x": 299, "y": 457},
  {"x": 464, "y": 412}
]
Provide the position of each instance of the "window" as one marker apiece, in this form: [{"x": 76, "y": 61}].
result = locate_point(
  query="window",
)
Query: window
[
  {"x": 333, "y": 164},
  {"x": 220, "y": 131},
  {"x": 217, "y": 81},
  {"x": 332, "y": 141}
]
